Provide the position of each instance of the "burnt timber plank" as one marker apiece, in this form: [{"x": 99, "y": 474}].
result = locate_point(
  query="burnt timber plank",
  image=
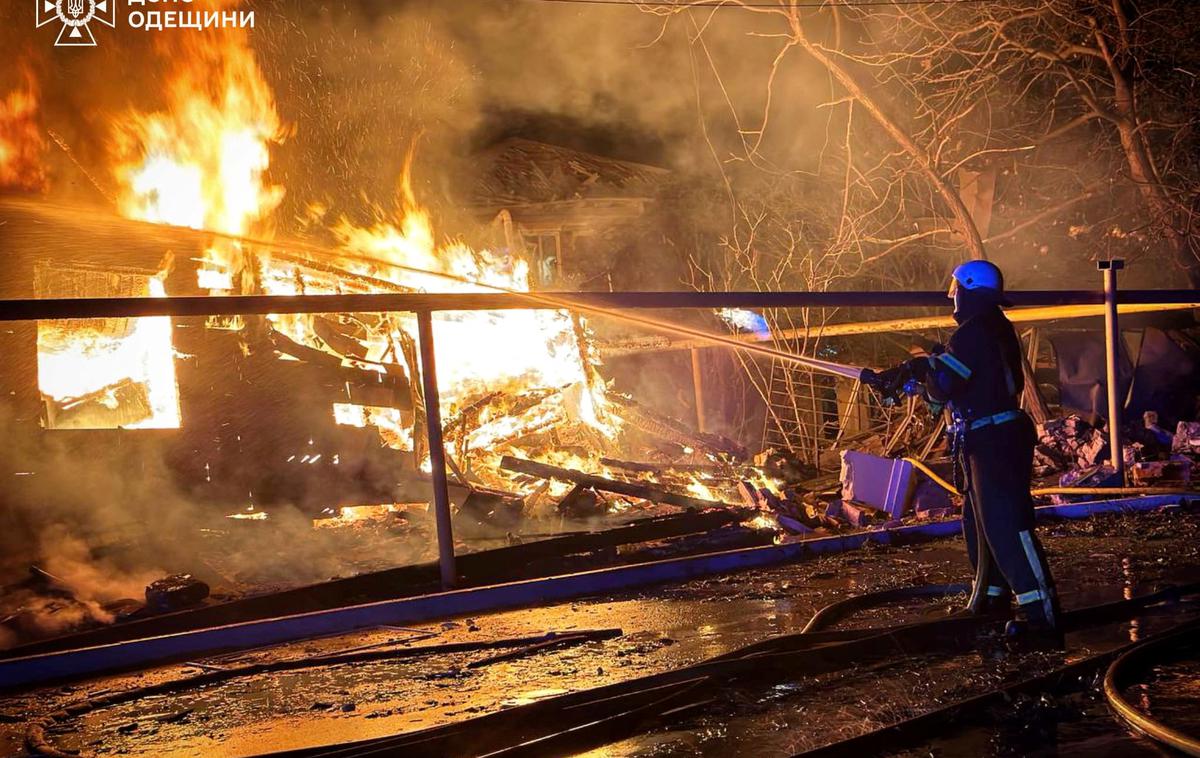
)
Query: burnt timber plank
[{"x": 633, "y": 489}]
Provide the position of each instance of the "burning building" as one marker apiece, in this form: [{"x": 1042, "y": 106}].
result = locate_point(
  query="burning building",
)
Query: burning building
[
  {"x": 584, "y": 364},
  {"x": 204, "y": 420}
]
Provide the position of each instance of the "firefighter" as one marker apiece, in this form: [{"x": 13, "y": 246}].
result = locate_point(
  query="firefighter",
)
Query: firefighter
[{"x": 978, "y": 378}]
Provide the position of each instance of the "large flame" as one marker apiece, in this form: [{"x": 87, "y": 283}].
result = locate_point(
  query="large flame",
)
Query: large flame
[
  {"x": 478, "y": 353},
  {"x": 22, "y": 145},
  {"x": 110, "y": 372},
  {"x": 201, "y": 161}
]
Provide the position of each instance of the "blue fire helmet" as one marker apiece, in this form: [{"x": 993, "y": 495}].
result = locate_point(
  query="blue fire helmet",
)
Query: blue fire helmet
[{"x": 977, "y": 275}]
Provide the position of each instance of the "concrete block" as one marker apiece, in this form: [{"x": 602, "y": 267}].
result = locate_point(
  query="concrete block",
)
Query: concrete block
[
  {"x": 792, "y": 525},
  {"x": 936, "y": 513},
  {"x": 751, "y": 496},
  {"x": 1096, "y": 476},
  {"x": 858, "y": 514}
]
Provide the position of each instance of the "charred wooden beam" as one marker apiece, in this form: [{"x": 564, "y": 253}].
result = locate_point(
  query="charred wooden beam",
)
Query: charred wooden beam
[
  {"x": 347, "y": 384},
  {"x": 334, "y": 335},
  {"x": 654, "y": 468},
  {"x": 284, "y": 344},
  {"x": 640, "y": 417},
  {"x": 649, "y": 492},
  {"x": 341, "y": 274}
]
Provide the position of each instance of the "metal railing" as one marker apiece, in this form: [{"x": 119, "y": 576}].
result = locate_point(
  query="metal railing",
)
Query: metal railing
[
  {"x": 423, "y": 305},
  {"x": 415, "y": 302}
]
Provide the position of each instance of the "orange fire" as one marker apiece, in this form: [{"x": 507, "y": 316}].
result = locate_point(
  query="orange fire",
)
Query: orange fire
[
  {"x": 109, "y": 373},
  {"x": 477, "y": 352},
  {"x": 201, "y": 162},
  {"x": 22, "y": 145}
]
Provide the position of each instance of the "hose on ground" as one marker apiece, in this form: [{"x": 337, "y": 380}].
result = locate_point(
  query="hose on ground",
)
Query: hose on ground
[
  {"x": 520, "y": 729},
  {"x": 835, "y": 612},
  {"x": 1122, "y": 673},
  {"x": 939, "y": 481},
  {"x": 1042, "y": 491},
  {"x": 1112, "y": 491}
]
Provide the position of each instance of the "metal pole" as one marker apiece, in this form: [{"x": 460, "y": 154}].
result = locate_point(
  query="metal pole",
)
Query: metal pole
[
  {"x": 698, "y": 389},
  {"x": 1112, "y": 342},
  {"x": 437, "y": 450}
]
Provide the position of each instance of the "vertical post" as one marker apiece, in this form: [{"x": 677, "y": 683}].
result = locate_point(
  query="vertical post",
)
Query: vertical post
[
  {"x": 437, "y": 450},
  {"x": 1112, "y": 343},
  {"x": 698, "y": 389}
]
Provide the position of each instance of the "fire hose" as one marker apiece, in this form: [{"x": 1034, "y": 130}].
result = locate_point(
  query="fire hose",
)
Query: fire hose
[
  {"x": 543, "y": 300},
  {"x": 1121, "y": 674},
  {"x": 596, "y": 716},
  {"x": 1043, "y": 491},
  {"x": 980, "y": 709},
  {"x": 583, "y": 720}
]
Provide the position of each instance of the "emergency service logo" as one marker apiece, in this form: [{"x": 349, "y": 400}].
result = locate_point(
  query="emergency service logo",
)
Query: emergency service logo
[{"x": 75, "y": 16}]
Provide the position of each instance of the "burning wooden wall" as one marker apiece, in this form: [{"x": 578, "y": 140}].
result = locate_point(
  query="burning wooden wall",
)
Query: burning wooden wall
[{"x": 243, "y": 414}]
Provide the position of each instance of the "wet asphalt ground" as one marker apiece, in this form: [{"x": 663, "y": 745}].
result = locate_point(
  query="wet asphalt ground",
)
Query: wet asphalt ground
[{"x": 1098, "y": 560}]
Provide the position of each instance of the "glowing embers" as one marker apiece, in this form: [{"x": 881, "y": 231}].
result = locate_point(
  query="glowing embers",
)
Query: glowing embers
[
  {"x": 395, "y": 426},
  {"x": 105, "y": 373},
  {"x": 384, "y": 514},
  {"x": 250, "y": 514}
]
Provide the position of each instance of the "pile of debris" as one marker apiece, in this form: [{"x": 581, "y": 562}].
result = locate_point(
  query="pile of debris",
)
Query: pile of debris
[
  {"x": 1073, "y": 453},
  {"x": 43, "y": 604},
  {"x": 1068, "y": 444},
  {"x": 875, "y": 491},
  {"x": 1160, "y": 458}
]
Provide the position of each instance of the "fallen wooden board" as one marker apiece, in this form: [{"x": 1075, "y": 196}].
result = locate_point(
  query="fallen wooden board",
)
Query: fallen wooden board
[{"x": 641, "y": 490}]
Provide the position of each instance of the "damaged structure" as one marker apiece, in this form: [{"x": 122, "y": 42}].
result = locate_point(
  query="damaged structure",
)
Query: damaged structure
[{"x": 423, "y": 381}]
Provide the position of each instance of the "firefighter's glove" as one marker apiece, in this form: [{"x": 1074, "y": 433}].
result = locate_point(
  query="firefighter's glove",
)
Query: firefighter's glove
[
  {"x": 890, "y": 383},
  {"x": 919, "y": 368}
]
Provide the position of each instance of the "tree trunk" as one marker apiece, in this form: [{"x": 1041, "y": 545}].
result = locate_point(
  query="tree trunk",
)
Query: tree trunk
[
  {"x": 962, "y": 221},
  {"x": 1141, "y": 167}
]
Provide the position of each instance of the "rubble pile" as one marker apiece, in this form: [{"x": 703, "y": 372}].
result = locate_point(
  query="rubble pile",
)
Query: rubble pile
[
  {"x": 175, "y": 592},
  {"x": 1187, "y": 439},
  {"x": 875, "y": 491},
  {"x": 1177, "y": 471},
  {"x": 1068, "y": 443},
  {"x": 1076, "y": 454},
  {"x": 794, "y": 510},
  {"x": 1162, "y": 459}
]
